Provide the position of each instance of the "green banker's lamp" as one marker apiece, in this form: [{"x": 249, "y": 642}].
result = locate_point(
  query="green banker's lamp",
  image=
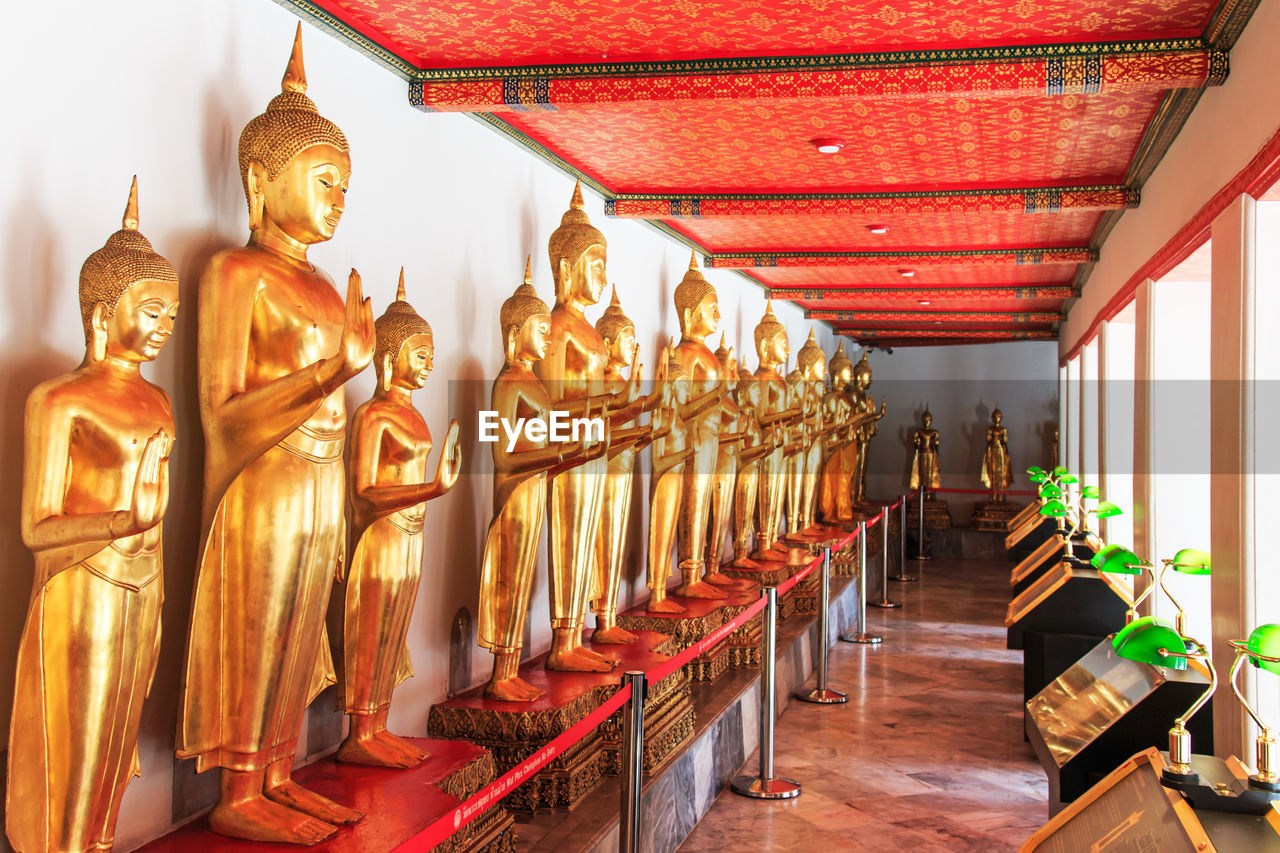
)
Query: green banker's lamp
[
  {"x": 1119, "y": 560},
  {"x": 1262, "y": 649}
]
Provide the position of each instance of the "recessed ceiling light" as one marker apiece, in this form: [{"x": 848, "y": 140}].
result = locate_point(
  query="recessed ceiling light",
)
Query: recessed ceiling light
[
  {"x": 924, "y": 301},
  {"x": 906, "y": 273},
  {"x": 878, "y": 229},
  {"x": 827, "y": 144}
]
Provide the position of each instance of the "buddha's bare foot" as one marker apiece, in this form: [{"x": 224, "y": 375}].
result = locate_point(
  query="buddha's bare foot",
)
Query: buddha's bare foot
[
  {"x": 612, "y": 634},
  {"x": 290, "y": 793},
  {"x": 595, "y": 656},
  {"x": 573, "y": 660},
  {"x": 259, "y": 819},
  {"x": 513, "y": 689},
  {"x": 663, "y": 605},
  {"x": 725, "y": 582},
  {"x": 404, "y": 747},
  {"x": 744, "y": 562},
  {"x": 699, "y": 589},
  {"x": 372, "y": 752}
]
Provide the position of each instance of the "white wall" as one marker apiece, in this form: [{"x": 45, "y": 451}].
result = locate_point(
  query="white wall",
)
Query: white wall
[
  {"x": 1229, "y": 126},
  {"x": 961, "y": 385},
  {"x": 101, "y": 91}
]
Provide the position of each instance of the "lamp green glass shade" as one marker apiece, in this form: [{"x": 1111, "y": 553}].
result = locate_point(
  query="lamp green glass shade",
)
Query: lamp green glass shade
[
  {"x": 1265, "y": 641},
  {"x": 1106, "y": 509},
  {"x": 1050, "y": 491},
  {"x": 1059, "y": 470},
  {"x": 1117, "y": 559},
  {"x": 1054, "y": 509},
  {"x": 1037, "y": 474},
  {"x": 1090, "y": 492},
  {"x": 1068, "y": 478},
  {"x": 1142, "y": 639},
  {"x": 1191, "y": 561}
]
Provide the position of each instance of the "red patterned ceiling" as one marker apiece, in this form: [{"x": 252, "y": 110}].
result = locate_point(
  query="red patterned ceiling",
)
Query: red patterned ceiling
[
  {"x": 474, "y": 33},
  {"x": 980, "y": 125},
  {"x": 743, "y": 146},
  {"x": 958, "y": 230}
]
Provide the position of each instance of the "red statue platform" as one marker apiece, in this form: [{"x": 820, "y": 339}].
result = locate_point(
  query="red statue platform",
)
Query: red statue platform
[
  {"x": 513, "y": 731},
  {"x": 397, "y": 805}
]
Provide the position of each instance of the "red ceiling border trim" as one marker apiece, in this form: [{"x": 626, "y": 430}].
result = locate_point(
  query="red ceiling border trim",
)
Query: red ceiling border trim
[{"x": 1254, "y": 179}]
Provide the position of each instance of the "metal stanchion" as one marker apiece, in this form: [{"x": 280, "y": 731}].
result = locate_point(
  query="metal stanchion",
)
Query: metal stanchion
[
  {"x": 902, "y": 576},
  {"x": 766, "y": 786},
  {"x": 884, "y": 603},
  {"x": 632, "y": 764},
  {"x": 821, "y": 694},
  {"x": 862, "y": 636},
  {"x": 920, "y": 554}
]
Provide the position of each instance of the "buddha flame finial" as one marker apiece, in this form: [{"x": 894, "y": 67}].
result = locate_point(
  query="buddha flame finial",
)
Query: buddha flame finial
[
  {"x": 528, "y": 270},
  {"x": 130, "y": 220},
  {"x": 576, "y": 203},
  {"x": 400, "y": 287},
  {"x": 295, "y": 74},
  {"x": 693, "y": 259}
]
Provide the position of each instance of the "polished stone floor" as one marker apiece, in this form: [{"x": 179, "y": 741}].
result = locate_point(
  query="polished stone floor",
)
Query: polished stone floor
[{"x": 927, "y": 755}]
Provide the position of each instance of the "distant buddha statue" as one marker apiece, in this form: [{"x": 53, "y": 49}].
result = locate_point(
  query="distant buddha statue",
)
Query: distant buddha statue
[
  {"x": 997, "y": 470},
  {"x": 926, "y": 471},
  {"x": 276, "y": 345},
  {"x": 840, "y": 467},
  {"x": 811, "y": 361},
  {"x": 389, "y": 489},
  {"x": 95, "y": 485},
  {"x": 863, "y": 403}
]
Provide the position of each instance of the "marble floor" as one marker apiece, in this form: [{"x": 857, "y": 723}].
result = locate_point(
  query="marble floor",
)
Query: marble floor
[{"x": 927, "y": 755}]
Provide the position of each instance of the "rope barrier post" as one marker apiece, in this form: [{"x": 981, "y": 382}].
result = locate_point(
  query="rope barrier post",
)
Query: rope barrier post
[
  {"x": 884, "y": 603},
  {"x": 821, "y": 694},
  {"x": 902, "y": 576},
  {"x": 920, "y": 554},
  {"x": 862, "y": 637},
  {"x": 632, "y": 764},
  {"x": 766, "y": 786}
]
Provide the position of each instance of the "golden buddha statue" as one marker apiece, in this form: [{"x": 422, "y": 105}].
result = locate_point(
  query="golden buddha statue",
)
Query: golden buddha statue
[
  {"x": 811, "y": 361},
  {"x": 997, "y": 470},
  {"x": 768, "y": 397},
  {"x": 95, "y": 485},
  {"x": 796, "y": 455},
  {"x": 863, "y": 403},
  {"x": 619, "y": 335},
  {"x": 926, "y": 471},
  {"x": 519, "y": 491},
  {"x": 676, "y": 443},
  {"x": 276, "y": 345},
  {"x": 699, "y": 312},
  {"x": 840, "y": 452},
  {"x": 388, "y": 488},
  {"x": 573, "y": 373},
  {"x": 737, "y": 425}
]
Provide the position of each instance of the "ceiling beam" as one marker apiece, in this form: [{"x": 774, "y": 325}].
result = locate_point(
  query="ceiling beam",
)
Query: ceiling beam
[
  {"x": 979, "y": 200},
  {"x": 895, "y": 335},
  {"x": 1045, "y": 70},
  {"x": 904, "y": 260},
  {"x": 894, "y": 294},
  {"x": 932, "y": 316}
]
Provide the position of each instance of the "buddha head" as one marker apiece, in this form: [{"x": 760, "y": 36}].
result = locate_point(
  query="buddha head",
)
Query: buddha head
[
  {"x": 926, "y": 419},
  {"x": 618, "y": 332},
  {"x": 294, "y": 163},
  {"x": 811, "y": 360},
  {"x": 841, "y": 368},
  {"x": 862, "y": 373},
  {"x": 771, "y": 339},
  {"x": 577, "y": 252},
  {"x": 525, "y": 320},
  {"x": 997, "y": 417},
  {"x": 696, "y": 303},
  {"x": 404, "y": 352},
  {"x": 128, "y": 295}
]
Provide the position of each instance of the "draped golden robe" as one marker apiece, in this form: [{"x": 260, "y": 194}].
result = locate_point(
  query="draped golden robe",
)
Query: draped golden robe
[{"x": 506, "y": 575}]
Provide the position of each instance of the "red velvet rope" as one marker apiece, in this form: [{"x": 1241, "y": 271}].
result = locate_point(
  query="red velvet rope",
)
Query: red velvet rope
[{"x": 462, "y": 814}]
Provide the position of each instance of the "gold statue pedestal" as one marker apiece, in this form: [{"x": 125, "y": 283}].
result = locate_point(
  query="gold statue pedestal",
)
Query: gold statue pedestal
[
  {"x": 937, "y": 515},
  {"x": 992, "y": 515},
  {"x": 397, "y": 805},
  {"x": 701, "y": 618},
  {"x": 774, "y": 572},
  {"x": 513, "y": 731}
]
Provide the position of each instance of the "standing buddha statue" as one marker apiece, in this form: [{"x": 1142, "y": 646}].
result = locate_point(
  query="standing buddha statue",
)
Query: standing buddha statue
[
  {"x": 840, "y": 463},
  {"x": 699, "y": 314},
  {"x": 519, "y": 491},
  {"x": 573, "y": 373},
  {"x": 734, "y": 430},
  {"x": 675, "y": 443},
  {"x": 926, "y": 471},
  {"x": 811, "y": 361},
  {"x": 388, "y": 487},
  {"x": 276, "y": 345},
  {"x": 755, "y": 446},
  {"x": 768, "y": 396},
  {"x": 95, "y": 485},
  {"x": 997, "y": 470},
  {"x": 863, "y": 403}
]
